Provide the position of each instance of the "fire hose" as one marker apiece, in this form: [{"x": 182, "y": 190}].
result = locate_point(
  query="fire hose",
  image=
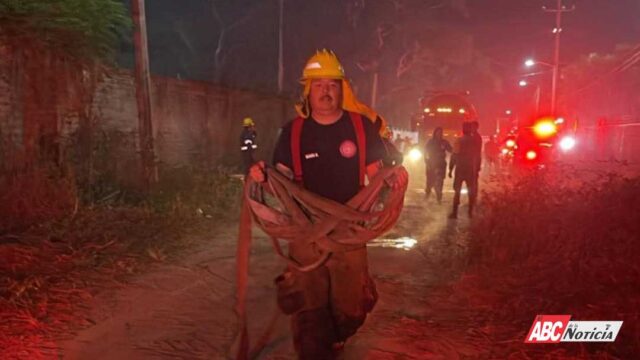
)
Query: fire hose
[{"x": 302, "y": 216}]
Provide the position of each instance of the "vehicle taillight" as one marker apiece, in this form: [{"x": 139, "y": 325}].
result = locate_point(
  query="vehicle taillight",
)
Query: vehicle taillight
[
  {"x": 531, "y": 155},
  {"x": 545, "y": 128}
]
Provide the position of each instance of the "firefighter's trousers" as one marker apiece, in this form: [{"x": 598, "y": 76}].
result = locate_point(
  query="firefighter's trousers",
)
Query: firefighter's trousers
[
  {"x": 470, "y": 178},
  {"x": 247, "y": 160},
  {"x": 327, "y": 304},
  {"x": 435, "y": 179}
]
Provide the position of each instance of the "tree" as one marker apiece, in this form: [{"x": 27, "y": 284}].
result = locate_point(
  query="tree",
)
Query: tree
[
  {"x": 226, "y": 24},
  {"x": 425, "y": 45},
  {"x": 87, "y": 29},
  {"x": 599, "y": 85}
]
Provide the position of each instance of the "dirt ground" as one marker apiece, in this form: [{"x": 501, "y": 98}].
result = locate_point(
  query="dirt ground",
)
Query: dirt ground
[{"x": 184, "y": 310}]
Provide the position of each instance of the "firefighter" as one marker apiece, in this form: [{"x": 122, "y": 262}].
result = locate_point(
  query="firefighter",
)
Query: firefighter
[
  {"x": 465, "y": 160},
  {"x": 393, "y": 156},
  {"x": 407, "y": 144},
  {"x": 321, "y": 149},
  {"x": 491, "y": 153},
  {"x": 248, "y": 143},
  {"x": 436, "y": 163},
  {"x": 477, "y": 144}
]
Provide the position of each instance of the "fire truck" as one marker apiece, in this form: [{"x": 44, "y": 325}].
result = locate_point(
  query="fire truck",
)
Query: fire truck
[{"x": 445, "y": 110}]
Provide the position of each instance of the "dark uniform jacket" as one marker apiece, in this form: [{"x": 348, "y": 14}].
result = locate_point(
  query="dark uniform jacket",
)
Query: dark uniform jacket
[
  {"x": 436, "y": 153},
  {"x": 248, "y": 139}
]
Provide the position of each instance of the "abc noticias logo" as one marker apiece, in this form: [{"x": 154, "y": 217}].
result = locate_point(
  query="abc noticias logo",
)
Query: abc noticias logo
[{"x": 552, "y": 329}]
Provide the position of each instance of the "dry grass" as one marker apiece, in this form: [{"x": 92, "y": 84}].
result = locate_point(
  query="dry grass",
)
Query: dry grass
[
  {"x": 571, "y": 248},
  {"x": 56, "y": 254},
  {"x": 50, "y": 273},
  {"x": 34, "y": 196},
  {"x": 556, "y": 242}
]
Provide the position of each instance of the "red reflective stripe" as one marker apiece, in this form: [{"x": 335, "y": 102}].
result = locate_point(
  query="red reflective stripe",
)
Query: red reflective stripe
[
  {"x": 296, "y": 157},
  {"x": 356, "y": 120}
]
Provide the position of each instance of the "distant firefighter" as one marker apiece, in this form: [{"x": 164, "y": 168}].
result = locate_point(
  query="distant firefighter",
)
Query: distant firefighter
[
  {"x": 248, "y": 143},
  {"x": 491, "y": 153},
  {"x": 466, "y": 162},
  {"x": 436, "y": 163}
]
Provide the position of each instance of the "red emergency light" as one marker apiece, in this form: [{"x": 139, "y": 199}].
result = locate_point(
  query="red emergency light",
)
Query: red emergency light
[{"x": 531, "y": 155}]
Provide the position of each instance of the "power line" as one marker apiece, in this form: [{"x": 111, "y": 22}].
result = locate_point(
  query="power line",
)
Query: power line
[
  {"x": 559, "y": 10},
  {"x": 629, "y": 62},
  {"x": 626, "y": 64}
]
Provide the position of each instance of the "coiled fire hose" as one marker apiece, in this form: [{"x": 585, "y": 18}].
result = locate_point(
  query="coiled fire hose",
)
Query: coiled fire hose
[{"x": 302, "y": 216}]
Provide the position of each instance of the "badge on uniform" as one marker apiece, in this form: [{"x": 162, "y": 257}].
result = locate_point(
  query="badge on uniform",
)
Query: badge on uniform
[{"x": 348, "y": 149}]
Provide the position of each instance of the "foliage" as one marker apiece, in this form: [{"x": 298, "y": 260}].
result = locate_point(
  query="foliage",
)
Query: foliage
[
  {"x": 57, "y": 252},
  {"x": 556, "y": 242},
  {"x": 83, "y": 28},
  {"x": 559, "y": 241},
  {"x": 428, "y": 47},
  {"x": 50, "y": 273},
  {"x": 575, "y": 251},
  {"x": 34, "y": 196},
  {"x": 105, "y": 173},
  {"x": 604, "y": 84},
  {"x": 209, "y": 193}
]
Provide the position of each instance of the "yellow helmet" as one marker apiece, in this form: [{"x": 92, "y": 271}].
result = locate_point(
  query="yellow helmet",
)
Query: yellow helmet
[
  {"x": 248, "y": 122},
  {"x": 324, "y": 64}
]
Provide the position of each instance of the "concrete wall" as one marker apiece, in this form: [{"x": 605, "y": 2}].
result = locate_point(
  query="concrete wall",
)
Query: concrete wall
[
  {"x": 10, "y": 116},
  {"x": 620, "y": 142},
  {"x": 195, "y": 123}
]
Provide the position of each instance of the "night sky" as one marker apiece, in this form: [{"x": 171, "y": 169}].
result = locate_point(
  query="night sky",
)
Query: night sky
[
  {"x": 512, "y": 30},
  {"x": 183, "y": 35}
]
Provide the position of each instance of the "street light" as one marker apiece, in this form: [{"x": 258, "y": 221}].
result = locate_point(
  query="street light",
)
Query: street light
[
  {"x": 531, "y": 62},
  {"x": 554, "y": 81},
  {"x": 524, "y": 83}
]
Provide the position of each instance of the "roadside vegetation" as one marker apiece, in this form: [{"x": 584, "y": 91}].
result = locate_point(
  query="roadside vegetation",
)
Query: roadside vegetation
[
  {"x": 560, "y": 241},
  {"x": 58, "y": 252}
]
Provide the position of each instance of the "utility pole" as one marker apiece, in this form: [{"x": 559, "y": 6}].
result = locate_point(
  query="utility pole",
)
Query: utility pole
[
  {"x": 280, "y": 48},
  {"x": 559, "y": 10},
  {"x": 143, "y": 93},
  {"x": 537, "y": 100}
]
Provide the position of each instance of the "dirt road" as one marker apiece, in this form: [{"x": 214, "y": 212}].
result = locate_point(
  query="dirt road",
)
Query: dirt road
[{"x": 184, "y": 310}]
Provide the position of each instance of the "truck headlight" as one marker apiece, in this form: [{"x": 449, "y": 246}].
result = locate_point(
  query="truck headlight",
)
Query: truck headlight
[
  {"x": 567, "y": 143},
  {"x": 415, "y": 155}
]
